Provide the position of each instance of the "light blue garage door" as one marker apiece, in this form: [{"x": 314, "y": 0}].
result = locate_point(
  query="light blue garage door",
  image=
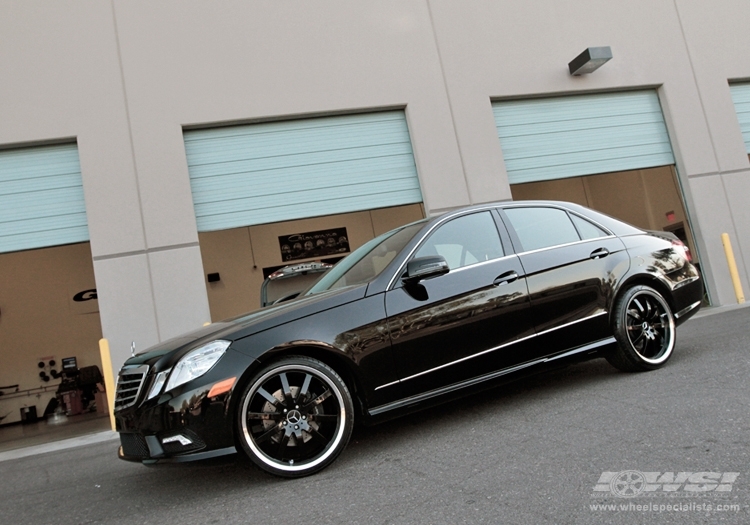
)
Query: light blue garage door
[
  {"x": 571, "y": 136},
  {"x": 41, "y": 198},
  {"x": 277, "y": 171},
  {"x": 741, "y": 97}
]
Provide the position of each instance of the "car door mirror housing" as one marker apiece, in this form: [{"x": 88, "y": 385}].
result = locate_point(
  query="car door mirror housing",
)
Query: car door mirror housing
[{"x": 422, "y": 268}]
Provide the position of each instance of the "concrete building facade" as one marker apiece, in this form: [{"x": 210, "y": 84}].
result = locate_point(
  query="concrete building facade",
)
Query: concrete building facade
[{"x": 125, "y": 80}]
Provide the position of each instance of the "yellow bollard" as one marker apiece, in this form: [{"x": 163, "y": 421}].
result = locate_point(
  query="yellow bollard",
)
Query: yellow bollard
[
  {"x": 109, "y": 379},
  {"x": 733, "y": 268}
]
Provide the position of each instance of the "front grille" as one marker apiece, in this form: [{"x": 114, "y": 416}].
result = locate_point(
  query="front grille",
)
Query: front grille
[
  {"x": 129, "y": 383},
  {"x": 134, "y": 445}
]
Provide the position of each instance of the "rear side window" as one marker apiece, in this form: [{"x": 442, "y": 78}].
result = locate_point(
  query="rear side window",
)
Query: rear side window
[
  {"x": 542, "y": 227},
  {"x": 587, "y": 229}
]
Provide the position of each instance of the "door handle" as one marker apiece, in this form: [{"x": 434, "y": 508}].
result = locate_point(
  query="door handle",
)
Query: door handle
[
  {"x": 507, "y": 277},
  {"x": 599, "y": 254}
]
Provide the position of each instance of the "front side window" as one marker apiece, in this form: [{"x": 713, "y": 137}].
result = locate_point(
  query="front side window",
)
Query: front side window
[
  {"x": 465, "y": 240},
  {"x": 368, "y": 261},
  {"x": 542, "y": 227}
]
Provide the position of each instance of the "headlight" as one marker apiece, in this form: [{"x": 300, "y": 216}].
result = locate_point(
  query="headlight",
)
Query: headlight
[{"x": 196, "y": 363}]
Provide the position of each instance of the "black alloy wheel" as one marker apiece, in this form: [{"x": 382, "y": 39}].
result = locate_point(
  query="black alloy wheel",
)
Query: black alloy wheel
[
  {"x": 645, "y": 330},
  {"x": 295, "y": 417}
]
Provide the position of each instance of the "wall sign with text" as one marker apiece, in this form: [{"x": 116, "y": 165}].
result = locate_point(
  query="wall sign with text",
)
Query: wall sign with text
[{"x": 313, "y": 244}]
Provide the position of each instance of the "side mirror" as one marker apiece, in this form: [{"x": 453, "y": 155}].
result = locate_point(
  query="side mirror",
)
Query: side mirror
[{"x": 425, "y": 268}]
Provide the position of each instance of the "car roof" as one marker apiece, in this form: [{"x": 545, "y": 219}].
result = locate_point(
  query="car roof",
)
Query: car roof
[{"x": 616, "y": 226}]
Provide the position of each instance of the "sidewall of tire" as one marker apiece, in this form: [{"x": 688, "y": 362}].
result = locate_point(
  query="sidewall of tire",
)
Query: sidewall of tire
[
  {"x": 334, "y": 380},
  {"x": 624, "y": 356}
]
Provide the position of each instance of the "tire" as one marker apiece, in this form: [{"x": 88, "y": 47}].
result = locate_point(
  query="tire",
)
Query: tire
[
  {"x": 645, "y": 331},
  {"x": 295, "y": 417}
]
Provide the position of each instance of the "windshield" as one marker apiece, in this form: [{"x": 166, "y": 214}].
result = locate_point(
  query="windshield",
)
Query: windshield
[{"x": 368, "y": 261}]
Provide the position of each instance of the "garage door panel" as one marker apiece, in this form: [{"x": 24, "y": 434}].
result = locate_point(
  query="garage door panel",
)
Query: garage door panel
[
  {"x": 586, "y": 168},
  {"x": 600, "y": 154},
  {"x": 39, "y": 184},
  {"x": 41, "y": 198},
  {"x": 268, "y": 142},
  {"x": 402, "y": 152},
  {"x": 741, "y": 97},
  {"x": 320, "y": 176},
  {"x": 40, "y": 225},
  {"x": 545, "y": 139},
  {"x": 38, "y": 161},
  {"x": 49, "y": 206},
  {"x": 46, "y": 238},
  {"x": 269, "y": 172},
  {"x": 292, "y": 198},
  {"x": 601, "y": 104},
  {"x": 525, "y": 128},
  {"x": 580, "y": 143},
  {"x": 336, "y": 121},
  {"x": 255, "y": 147},
  {"x": 299, "y": 211}
]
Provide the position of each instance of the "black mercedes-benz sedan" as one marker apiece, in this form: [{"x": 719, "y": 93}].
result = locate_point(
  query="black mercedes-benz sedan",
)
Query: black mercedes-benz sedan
[{"x": 426, "y": 312}]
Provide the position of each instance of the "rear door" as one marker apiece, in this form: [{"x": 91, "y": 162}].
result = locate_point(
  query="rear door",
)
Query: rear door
[{"x": 572, "y": 266}]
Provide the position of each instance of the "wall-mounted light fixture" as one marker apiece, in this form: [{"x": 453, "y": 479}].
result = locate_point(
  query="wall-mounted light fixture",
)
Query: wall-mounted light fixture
[{"x": 590, "y": 60}]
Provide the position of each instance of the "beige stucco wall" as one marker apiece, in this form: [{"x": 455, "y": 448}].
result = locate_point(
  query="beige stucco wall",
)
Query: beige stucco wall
[
  {"x": 124, "y": 78},
  {"x": 716, "y": 37},
  {"x": 687, "y": 50}
]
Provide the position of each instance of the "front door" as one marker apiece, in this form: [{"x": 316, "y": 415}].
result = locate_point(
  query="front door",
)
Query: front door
[{"x": 464, "y": 324}]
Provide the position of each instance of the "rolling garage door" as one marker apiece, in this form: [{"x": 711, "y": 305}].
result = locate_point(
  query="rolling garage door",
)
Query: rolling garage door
[
  {"x": 41, "y": 198},
  {"x": 555, "y": 138},
  {"x": 741, "y": 98},
  {"x": 278, "y": 171}
]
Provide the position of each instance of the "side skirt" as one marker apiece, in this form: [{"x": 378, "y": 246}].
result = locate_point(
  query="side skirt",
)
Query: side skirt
[{"x": 402, "y": 403}]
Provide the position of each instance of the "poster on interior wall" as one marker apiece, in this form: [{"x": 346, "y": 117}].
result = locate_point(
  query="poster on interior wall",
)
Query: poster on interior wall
[{"x": 313, "y": 244}]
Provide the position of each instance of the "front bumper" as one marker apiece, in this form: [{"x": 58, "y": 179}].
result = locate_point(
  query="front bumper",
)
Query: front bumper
[
  {"x": 184, "y": 424},
  {"x": 148, "y": 451},
  {"x": 187, "y": 424}
]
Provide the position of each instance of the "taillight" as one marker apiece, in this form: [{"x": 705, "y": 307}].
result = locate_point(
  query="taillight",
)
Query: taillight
[{"x": 684, "y": 248}]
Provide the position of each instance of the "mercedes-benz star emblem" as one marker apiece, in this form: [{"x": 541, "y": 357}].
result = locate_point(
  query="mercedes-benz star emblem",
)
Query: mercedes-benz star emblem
[{"x": 294, "y": 417}]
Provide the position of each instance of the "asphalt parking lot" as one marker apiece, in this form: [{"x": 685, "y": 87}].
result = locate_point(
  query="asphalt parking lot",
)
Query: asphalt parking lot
[{"x": 586, "y": 444}]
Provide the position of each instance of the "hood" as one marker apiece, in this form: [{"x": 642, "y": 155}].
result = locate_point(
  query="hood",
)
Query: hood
[
  {"x": 167, "y": 353},
  {"x": 276, "y": 315}
]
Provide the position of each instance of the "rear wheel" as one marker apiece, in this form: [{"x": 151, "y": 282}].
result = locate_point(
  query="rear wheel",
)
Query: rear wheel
[
  {"x": 645, "y": 330},
  {"x": 295, "y": 417}
]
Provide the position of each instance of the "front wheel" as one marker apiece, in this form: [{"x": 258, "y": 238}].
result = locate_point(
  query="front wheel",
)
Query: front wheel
[
  {"x": 295, "y": 417},
  {"x": 645, "y": 330}
]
